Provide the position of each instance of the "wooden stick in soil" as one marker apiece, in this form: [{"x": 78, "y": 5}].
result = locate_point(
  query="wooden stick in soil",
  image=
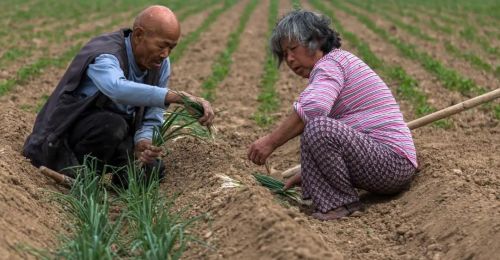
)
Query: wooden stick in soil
[
  {"x": 446, "y": 112},
  {"x": 59, "y": 178},
  {"x": 268, "y": 168}
]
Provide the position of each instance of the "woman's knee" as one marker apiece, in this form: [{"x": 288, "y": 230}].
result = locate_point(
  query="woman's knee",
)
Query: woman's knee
[{"x": 319, "y": 129}]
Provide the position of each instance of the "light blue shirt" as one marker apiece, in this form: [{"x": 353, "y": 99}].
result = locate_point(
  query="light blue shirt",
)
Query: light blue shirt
[{"x": 105, "y": 75}]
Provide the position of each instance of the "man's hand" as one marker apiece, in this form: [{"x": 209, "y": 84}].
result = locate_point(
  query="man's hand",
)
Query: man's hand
[
  {"x": 208, "y": 115},
  {"x": 260, "y": 150},
  {"x": 146, "y": 152}
]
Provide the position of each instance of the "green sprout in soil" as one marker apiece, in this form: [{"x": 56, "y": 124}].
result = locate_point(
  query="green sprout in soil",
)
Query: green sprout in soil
[{"x": 268, "y": 101}]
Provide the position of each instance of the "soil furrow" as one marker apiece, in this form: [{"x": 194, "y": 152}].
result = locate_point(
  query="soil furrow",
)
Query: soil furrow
[
  {"x": 27, "y": 218},
  {"x": 237, "y": 94},
  {"x": 200, "y": 55}
]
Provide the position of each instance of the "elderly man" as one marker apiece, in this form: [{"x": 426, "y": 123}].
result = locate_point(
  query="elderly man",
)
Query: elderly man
[{"x": 111, "y": 97}]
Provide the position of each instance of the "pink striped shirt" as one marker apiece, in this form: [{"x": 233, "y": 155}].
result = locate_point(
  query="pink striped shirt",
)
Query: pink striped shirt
[{"x": 343, "y": 87}]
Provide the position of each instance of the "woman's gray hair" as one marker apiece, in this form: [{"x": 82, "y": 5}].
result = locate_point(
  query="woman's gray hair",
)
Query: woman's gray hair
[{"x": 309, "y": 29}]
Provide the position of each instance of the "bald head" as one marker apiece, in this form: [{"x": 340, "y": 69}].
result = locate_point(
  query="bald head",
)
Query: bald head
[
  {"x": 157, "y": 19},
  {"x": 155, "y": 33}
]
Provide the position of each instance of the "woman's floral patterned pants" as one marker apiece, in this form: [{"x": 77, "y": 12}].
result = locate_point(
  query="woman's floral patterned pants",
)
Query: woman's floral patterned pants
[{"x": 336, "y": 159}]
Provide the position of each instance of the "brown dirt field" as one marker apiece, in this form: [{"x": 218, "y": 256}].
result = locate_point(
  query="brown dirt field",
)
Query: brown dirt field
[
  {"x": 451, "y": 211},
  {"x": 27, "y": 215},
  {"x": 201, "y": 56}
]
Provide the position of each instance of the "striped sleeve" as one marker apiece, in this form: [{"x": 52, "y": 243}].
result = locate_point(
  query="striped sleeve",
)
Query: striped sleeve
[{"x": 325, "y": 84}]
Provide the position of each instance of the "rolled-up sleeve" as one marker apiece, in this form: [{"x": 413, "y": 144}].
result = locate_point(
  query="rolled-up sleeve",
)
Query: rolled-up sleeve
[{"x": 325, "y": 84}]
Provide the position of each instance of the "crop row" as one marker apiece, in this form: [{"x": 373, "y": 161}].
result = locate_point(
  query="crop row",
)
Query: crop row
[
  {"x": 222, "y": 64},
  {"x": 193, "y": 36},
  {"x": 482, "y": 11},
  {"x": 268, "y": 100},
  {"x": 19, "y": 41}
]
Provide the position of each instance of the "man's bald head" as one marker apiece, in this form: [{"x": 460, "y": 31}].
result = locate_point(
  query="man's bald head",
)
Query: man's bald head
[
  {"x": 155, "y": 33},
  {"x": 158, "y": 19}
]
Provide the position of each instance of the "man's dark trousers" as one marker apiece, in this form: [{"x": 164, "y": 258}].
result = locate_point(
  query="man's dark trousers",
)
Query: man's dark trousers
[{"x": 107, "y": 136}]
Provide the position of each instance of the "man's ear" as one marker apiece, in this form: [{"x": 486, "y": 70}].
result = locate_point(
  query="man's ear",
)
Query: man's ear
[{"x": 138, "y": 33}]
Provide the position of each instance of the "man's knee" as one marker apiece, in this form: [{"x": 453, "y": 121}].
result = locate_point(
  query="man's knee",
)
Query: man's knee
[{"x": 111, "y": 126}]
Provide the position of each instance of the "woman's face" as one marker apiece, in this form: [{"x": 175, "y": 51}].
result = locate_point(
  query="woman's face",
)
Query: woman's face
[{"x": 299, "y": 58}]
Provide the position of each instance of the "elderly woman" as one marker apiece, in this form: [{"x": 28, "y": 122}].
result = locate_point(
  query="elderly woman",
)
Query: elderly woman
[{"x": 352, "y": 130}]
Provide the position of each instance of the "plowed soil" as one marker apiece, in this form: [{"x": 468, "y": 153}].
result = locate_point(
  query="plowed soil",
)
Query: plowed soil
[{"x": 451, "y": 210}]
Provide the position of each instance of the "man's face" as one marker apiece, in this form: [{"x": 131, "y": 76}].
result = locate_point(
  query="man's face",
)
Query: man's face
[
  {"x": 298, "y": 58},
  {"x": 152, "y": 47}
]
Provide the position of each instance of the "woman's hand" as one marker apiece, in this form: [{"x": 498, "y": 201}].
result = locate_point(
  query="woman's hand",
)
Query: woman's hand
[
  {"x": 293, "y": 181},
  {"x": 260, "y": 150},
  {"x": 146, "y": 152}
]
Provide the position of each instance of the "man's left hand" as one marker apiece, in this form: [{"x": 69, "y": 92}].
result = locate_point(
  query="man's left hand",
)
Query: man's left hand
[{"x": 208, "y": 115}]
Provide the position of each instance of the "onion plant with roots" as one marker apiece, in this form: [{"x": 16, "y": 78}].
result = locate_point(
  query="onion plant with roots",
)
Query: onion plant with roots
[
  {"x": 182, "y": 121},
  {"x": 276, "y": 186}
]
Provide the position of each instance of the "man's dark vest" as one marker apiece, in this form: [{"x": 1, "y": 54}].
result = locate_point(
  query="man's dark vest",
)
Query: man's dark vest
[{"x": 46, "y": 144}]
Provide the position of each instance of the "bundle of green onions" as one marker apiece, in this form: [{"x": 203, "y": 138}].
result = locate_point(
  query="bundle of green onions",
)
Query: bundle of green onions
[
  {"x": 276, "y": 186},
  {"x": 182, "y": 121}
]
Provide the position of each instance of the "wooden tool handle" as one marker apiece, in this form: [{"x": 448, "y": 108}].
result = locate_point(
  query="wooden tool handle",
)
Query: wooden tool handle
[
  {"x": 446, "y": 112},
  {"x": 59, "y": 178}
]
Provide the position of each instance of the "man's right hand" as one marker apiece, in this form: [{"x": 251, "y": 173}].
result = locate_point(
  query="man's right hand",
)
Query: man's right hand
[{"x": 146, "y": 152}]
